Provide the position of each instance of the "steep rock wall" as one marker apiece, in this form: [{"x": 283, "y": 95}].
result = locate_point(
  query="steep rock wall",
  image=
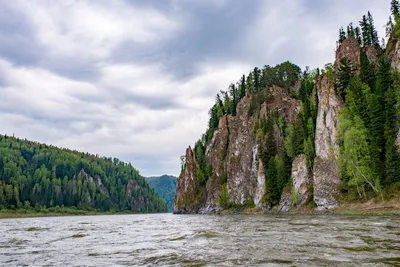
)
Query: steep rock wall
[
  {"x": 216, "y": 153},
  {"x": 302, "y": 179},
  {"x": 393, "y": 53},
  {"x": 325, "y": 179},
  {"x": 241, "y": 182},
  {"x": 233, "y": 154},
  {"x": 349, "y": 49},
  {"x": 302, "y": 182},
  {"x": 186, "y": 186}
]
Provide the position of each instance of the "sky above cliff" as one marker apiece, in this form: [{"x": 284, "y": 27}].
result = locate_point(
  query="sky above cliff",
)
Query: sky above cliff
[{"x": 135, "y": 79}]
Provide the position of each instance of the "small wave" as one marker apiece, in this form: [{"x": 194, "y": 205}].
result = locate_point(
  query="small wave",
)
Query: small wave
[{"x": 177, "y": 238}]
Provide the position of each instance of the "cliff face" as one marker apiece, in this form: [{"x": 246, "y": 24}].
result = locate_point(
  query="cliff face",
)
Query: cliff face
[
  {"x": 242, "y": 180},
  {"x": 325, "y": 178},
  {"x": 393, "y": 53},
  {"x": 233, "y": 155},
  {"x": 349, "y": 49},
  {"x": 239, "y": 147},
  {"x": 299, "y": 191},
  {"x": 185, "y": 201}
]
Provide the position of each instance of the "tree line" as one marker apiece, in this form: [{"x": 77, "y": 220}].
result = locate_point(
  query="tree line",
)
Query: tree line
[{"x": 34, "y": 175}]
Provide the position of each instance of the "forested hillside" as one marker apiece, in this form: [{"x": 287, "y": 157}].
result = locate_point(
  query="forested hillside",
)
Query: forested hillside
[
  {"x": 37, "y": 175},
  {"x": 165, "y": 186},
  {"x": 283, "y": 137}
]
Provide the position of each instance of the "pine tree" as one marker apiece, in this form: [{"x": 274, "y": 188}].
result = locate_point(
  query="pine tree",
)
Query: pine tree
[
  {"x": 256, "y": 78},
  {"x": 395, "y": 8},
  {"x": 358, "y": 35},
  {"x": 350, "y": 30},
  {"x": 372, "y": 30},
  {"x": 242, "y": 86},
  {"x": 272, "y": 182},
  {"x": 392, "y": 156},
  {"x": 367, "y": 73},
  {"x": 234, "y": 96},
  {"x": 342, "y": 35},
  {"x": 345, "y": 75},
  {"x": 383, "y": 79},
  {"x": 389, "y": 27},
  {"x": 250, "y": 83},
  {"x": 366, "y": 31}
]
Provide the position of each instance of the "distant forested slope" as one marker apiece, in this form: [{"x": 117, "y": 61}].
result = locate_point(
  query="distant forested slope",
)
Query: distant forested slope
[
  {"x": 40, "y": 176},
  {"x": 165, "y": 186}
]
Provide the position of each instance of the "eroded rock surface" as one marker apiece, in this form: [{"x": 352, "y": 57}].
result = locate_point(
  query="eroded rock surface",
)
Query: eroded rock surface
[
  {"x": 302, "y": 179},
  {"x": 186, "y": 186},
  {"x": 325, "y": 178},
  {"x": 241, "y": 184},
  {"x": 349, "y": 49},
  {"x": 285, "y": 204}
]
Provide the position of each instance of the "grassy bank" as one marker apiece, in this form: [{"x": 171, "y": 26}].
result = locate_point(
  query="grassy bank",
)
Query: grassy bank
[
  {"x": 369, "y": 207},
  {"x": 49, "y": 212}
]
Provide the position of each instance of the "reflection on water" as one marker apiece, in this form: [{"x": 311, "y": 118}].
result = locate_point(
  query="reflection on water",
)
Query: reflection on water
[{"x": 176, "y": 240}]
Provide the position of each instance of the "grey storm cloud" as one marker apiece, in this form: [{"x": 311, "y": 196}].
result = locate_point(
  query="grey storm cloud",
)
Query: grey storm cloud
[{"x": 135, "y": 79}]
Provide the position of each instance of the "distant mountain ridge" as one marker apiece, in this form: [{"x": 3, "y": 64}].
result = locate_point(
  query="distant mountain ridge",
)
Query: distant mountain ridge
[{"x": 165, "y": 187}]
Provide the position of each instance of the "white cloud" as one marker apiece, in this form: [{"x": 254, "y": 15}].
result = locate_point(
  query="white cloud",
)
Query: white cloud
[
  {"x": 58, "y": 110},
  {"x": 141, "y": 111},
  {"x": 94, "y": 28}
]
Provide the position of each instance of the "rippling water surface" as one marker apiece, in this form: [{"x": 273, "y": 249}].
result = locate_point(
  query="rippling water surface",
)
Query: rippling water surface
[{"x": 185, "y": 240}]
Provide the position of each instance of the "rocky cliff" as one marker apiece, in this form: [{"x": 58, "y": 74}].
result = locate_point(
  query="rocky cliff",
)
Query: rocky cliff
[
  {"x": 325, "y": 179},
  {"x": 281, "y": 146},
  {"x": 233, "y": 153}
]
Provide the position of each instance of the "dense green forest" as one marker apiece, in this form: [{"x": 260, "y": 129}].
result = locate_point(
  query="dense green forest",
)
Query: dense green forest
[
  {"x": 34, "y": 175},
  {"x": 368, "y": 124},
  {"x": 165, "y": 187},
  {"x": 368, "y": 156}
]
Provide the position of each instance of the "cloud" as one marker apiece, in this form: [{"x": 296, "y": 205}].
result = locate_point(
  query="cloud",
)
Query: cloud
[
  {"x": 110, "y": 117},
  {"x": 135, "y": 79}
]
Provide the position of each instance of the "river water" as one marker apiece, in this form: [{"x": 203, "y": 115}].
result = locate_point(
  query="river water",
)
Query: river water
[{"x": 207, "y": 240}]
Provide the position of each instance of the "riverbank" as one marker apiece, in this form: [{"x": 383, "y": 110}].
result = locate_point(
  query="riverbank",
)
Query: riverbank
[
  {"x": 370, "y": 207},
  {"x": 22, "y": 213}
]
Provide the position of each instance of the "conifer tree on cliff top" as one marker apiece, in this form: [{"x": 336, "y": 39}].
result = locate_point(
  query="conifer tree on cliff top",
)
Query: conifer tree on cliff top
[{"x": 395, "y": 8}]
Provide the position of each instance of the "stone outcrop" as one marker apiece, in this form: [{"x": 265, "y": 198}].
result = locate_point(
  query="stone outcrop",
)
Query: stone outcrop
[
  {"x": 185, "y": 201},
  {"x": 233, "y": 154},
  {"x": 280, "y": 101},
  {"x": 260, "y": 191},
  {"x": 349, "y": 49},
  {"x": 285, "y": 204},
  {"x": 258, "y": 130},
  {"x": 302, "y": 179},
  {"x": 393, "y": 52},
  {"x": 302, "y": 182},
  {"x": 371, "y": 53},
  {"x": 325, "y": 179},
  {"x": 216, "y": 153},
  {"x": 398, "y": 139},
  {"x": 241, "y": 182}
]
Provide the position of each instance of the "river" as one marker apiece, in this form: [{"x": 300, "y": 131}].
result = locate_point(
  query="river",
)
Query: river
[{"x": 207, "y": 240}]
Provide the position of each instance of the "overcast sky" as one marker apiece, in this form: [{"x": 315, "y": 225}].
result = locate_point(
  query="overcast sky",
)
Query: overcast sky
[{"x": 135, "y": 79}]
